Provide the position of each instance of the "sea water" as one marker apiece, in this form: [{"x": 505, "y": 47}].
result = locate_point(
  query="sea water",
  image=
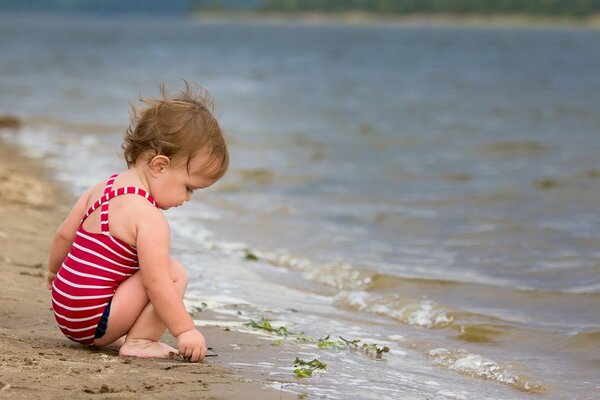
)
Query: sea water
[{"x": 433, "y": 190}]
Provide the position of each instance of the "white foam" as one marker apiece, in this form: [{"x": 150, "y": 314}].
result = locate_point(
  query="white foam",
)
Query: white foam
[
  {"x": 397, "y": 338},
  {"x": 472, "y": 364},
  {"x": 340, "y": 276},
  {"x": 423, "y": 313},
  {"x": 216, "y": 302},
  {"x": 220, "y": 324}
]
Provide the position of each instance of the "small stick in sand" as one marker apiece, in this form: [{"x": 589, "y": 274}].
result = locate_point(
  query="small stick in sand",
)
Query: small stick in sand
[{"x": 179, "y": 357}]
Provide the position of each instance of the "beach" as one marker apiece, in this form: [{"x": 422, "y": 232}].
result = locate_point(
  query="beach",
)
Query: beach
[
  {"x": 429, "y": 188},
  {"x": 38, "y": 362}
]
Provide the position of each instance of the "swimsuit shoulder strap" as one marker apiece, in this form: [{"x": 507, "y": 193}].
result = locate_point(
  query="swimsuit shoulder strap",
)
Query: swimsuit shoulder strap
[{"x": 111, "y": 194}]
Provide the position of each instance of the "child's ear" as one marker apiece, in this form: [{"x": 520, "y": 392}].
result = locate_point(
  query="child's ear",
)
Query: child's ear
[{"x": 158, "y": 164}]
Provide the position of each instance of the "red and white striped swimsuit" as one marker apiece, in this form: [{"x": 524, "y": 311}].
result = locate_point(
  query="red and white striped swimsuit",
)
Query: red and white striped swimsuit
[{"x": 90, "y": 274}]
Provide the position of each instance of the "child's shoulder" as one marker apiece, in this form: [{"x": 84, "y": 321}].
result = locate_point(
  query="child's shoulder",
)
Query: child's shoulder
[
  {"x": 94, "y": 193},
  {"x": 90, "y": 196},
  {"x": 137, "y": 200}
]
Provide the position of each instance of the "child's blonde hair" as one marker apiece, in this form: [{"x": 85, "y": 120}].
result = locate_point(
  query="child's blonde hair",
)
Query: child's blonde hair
[{"x": 177, "y": 126}]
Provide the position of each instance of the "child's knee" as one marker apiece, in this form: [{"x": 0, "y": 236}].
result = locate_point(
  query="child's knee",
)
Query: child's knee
[{"x": 177, "y": 272}]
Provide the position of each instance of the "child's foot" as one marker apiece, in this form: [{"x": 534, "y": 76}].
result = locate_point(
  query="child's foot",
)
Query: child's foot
[
  {"x": 145, "y": 348},
  {"x": 116, "y": 345}
]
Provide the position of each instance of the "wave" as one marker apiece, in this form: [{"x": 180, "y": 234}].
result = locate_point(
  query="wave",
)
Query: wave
[
  {"x": 481, "y": 332},
  {"x": 345, "y": 276},
  {"x": 475, "y": 365},
  {"x": 422, "y": 313},
  {"x": 340, "y": 276},
  {"x": 337, "y": 275},
  {"x": 476, "y": 312},
  {"x": 585, "y": 345}
]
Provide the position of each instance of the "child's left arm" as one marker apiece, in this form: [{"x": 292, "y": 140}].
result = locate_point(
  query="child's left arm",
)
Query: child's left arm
[{"x": 64, "y": 236}]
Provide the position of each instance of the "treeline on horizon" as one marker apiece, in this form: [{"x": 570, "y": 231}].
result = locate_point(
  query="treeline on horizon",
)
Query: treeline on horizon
[
  {"x": 575, "y": 8},
  {"x": 157, "y": 7}
]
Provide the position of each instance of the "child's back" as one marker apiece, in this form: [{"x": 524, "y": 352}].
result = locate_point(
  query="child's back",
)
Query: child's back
[{"x": 96, "y": 265}]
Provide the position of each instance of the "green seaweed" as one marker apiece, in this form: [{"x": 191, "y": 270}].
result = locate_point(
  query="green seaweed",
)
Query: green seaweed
[
  {"x": 250, "y": 255},
  {"x": 306, "y": 368},
  {"x": 303, "y": 338},
  {"x": 265, "y": 325},
  {"x": 370, "y": 349},
  {"x": 325, "y": 343},
  {"x": 200, "y": 308}
]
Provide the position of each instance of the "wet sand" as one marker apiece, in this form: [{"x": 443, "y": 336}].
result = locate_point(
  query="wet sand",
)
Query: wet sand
[{"x": 38, "y": 362}]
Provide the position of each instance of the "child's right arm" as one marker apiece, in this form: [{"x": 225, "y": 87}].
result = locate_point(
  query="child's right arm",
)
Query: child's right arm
[
  {"x": 64, "y": 236},
  {"x": 152, "y": 245}
]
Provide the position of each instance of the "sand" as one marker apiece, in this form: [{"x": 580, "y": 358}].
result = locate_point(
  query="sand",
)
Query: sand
[{"x": 38, "y": 362}]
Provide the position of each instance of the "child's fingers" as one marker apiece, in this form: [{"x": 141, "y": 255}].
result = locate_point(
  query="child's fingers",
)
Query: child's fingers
[
  {"x": 189, "y": 350},
  {"x": 196, "y": 355},
  {"x": 49, "y": 279}
]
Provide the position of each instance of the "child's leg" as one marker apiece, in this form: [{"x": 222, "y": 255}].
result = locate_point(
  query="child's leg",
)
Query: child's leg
[
  {"x": 132, "y": 314},
  {"x": 142, "y": 338}
]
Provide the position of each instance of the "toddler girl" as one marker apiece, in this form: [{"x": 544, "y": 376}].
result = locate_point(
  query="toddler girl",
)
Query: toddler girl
[{"x": 110, "y": 271}]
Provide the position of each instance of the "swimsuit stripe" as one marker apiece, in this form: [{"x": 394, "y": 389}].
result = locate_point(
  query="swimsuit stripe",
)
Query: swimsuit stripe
[
  {"x": 91, "y": 264},
  {"x": 87, "y": 328},
  {"x": 66, "y": 267},
  {"x": 94, "y": 253},
  {"x": 133, "y": 253},
  {"x": 83, "y": 235},
  {"x": 70, "y": 296},
  {"x": 75, "y": 285},
  {"x": 61, "y": 305},
  {"x": 77, "y": 319},
  {"x": 93, "y": 270},
  {"x": 80, "y": 339}
]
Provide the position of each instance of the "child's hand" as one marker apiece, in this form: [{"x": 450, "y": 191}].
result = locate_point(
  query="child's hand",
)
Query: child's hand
[
  {"x": 191, "y": 344},
  {"x": 49, "y": 279}
]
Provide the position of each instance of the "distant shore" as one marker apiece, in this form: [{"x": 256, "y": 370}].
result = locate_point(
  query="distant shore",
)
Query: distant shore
[{"x": 363, "y": 18}]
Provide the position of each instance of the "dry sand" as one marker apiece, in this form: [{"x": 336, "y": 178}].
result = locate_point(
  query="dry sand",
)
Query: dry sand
[{"x": 38, "y": 362}]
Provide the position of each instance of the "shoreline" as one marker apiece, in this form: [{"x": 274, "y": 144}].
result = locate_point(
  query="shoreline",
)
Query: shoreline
[
  {"x": 38, "y": 362},
  {"x": 406, "y": 20}
]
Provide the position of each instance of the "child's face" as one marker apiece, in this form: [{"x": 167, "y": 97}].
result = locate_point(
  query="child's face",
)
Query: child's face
[{"x": 175, "y": 184}]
